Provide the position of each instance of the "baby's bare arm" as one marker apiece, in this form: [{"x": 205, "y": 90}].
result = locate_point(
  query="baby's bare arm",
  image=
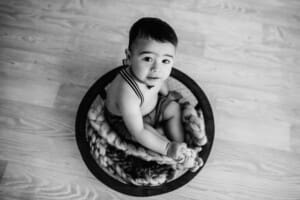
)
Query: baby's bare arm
[
  {"x": 164, "y": 90},
  {"x": 129, "y": 105}
]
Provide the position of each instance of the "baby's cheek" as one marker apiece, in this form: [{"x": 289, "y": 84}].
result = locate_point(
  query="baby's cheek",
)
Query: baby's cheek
[
  {"x": 168, "y": 72},
  {"x": 166, "y": 76}
]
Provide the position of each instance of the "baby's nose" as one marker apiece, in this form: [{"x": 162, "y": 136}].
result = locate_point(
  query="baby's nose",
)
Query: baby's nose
[{"x": 155, "y": 67}]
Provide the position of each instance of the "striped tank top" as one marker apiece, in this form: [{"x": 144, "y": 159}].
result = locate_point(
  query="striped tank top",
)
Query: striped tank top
[{"x": 132, "y": 83}]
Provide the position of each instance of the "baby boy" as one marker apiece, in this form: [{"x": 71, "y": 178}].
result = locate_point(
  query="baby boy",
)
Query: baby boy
[{"x": 137, "y": 102}]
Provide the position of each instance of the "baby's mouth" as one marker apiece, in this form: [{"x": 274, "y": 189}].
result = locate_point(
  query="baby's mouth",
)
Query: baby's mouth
[
  {"x": 153, "y": 77},
  {"x": 153, "y": 80}
]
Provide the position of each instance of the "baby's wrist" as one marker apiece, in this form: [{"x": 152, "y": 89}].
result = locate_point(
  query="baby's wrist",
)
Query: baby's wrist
[
  {"x": 172, "y": 149},
  {"x": 167, "y": 148}
]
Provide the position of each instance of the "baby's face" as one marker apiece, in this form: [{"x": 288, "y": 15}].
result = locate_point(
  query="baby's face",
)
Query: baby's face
[{"x": 151, "y": 60}]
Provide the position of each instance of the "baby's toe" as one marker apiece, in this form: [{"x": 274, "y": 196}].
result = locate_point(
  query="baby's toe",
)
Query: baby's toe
[{"x": 200, "y": 141}]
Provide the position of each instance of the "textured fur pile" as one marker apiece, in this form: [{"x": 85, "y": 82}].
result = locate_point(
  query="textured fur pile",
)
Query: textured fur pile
[{"x": 132, "y": 163}]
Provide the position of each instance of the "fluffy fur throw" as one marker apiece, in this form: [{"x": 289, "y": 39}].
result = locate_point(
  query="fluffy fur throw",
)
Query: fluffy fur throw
[{"x": 132, "y": 163}]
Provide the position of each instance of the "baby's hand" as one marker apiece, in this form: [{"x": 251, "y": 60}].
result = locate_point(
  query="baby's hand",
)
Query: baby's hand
[{"x": 176, "y": 151}]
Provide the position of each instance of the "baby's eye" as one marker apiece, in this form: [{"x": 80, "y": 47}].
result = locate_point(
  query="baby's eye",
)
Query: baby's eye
[
  {"x": 166, "y": 61},
  {"x": 148, "y": 59}
]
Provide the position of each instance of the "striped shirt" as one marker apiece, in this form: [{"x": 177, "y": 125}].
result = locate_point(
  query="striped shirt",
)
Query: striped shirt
[{"x": 132, "y": 83}]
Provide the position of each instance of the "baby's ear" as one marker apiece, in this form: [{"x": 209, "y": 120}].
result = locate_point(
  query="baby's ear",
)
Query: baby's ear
[
  {"x": 127, "y": 60},
  {"x": 127, "y": 53}
]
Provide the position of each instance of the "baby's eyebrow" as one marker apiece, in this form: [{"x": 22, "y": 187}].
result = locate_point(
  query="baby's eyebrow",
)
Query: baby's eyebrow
[{"x": 146, "y": 52}]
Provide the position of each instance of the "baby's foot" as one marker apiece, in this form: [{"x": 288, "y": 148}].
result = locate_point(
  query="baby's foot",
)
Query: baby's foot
[
  {"x": 175, "y": 150},
  {"x": 194, "y": 124},
  {"x": 198, "y": 163}
]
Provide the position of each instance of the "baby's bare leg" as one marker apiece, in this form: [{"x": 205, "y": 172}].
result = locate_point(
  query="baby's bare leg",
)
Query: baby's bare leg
[
  {"x": 155, "y": 132},
  {"x": 172, "y": 116}
]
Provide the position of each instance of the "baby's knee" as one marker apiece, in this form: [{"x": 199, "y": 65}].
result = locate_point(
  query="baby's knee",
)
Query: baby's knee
[
  {"x": 173, "y": 109},
  {"x": 174, "y": 106}
]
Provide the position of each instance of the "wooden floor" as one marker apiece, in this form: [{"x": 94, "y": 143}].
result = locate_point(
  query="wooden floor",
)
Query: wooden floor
[{"x": 244, "y": 54}]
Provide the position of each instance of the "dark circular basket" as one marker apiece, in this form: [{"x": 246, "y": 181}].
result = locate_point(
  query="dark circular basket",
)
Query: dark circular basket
[{"x": 98, "y": 88}]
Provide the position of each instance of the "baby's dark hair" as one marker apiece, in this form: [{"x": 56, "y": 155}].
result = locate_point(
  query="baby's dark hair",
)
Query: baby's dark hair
[{"x": 152, "y": 28}]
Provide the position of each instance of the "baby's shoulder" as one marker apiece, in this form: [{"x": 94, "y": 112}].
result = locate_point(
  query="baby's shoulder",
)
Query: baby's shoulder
[
  {"x": 123, "y": 90},
  {"x": 164, "y": 89}
]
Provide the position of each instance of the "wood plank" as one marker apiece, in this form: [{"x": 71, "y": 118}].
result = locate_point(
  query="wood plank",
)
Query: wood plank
[
  {"x": 3, "y": 165},
  {"x": 36, "y": 120},
  {"x": 57, "y": 68},
  {"x": 243, "y": 54},
  {"x": 251, "y": 32},
  {"x": 295, "y": 137},
  {"x": 46, "y": 184},
  {"x": 69, "y": 97},
  {"x": 280, "y": 78},
  {"x": 31, "y": 40},
  {"x": 38, "y": 135},
  {"x": 256, "y": 172},
  {"x": 265, "y": 173},
  {"x": 37, "y": 92}
]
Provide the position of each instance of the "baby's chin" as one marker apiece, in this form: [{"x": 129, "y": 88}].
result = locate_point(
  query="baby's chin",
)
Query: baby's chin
[{"x": 156, "y": 83}]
